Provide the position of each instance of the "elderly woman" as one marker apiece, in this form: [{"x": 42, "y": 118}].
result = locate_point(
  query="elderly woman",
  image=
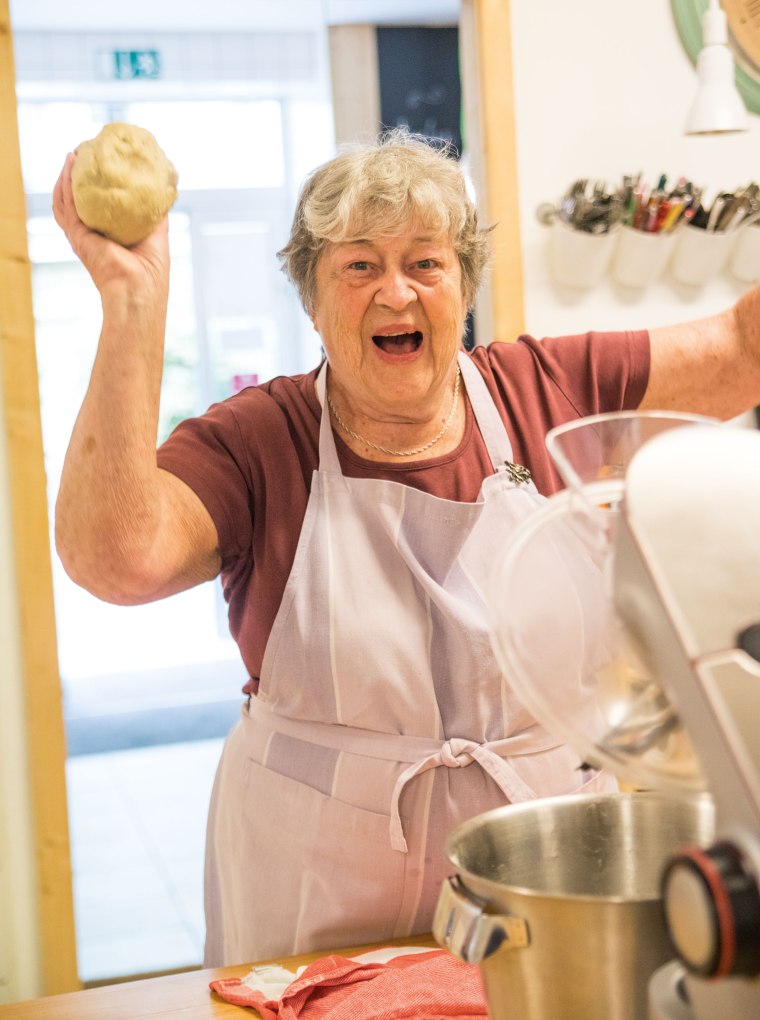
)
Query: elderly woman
[{"x": 352, "y": 513}]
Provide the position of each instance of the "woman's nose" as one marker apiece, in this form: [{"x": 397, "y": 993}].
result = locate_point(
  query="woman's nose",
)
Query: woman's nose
[{"x": 395, "y": 290}]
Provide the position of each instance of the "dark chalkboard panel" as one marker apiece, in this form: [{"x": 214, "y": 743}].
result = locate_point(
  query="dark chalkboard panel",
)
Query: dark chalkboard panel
[{"x": 419, "y": 81}]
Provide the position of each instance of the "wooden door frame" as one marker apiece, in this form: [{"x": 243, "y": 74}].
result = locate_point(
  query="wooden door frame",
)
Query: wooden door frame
[
  {"x": 491, "y": 142},
  {"x": 33, "y": 575}
]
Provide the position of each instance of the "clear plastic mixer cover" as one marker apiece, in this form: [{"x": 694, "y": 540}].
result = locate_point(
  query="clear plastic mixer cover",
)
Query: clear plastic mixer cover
[{"x": 565, "y": 653}]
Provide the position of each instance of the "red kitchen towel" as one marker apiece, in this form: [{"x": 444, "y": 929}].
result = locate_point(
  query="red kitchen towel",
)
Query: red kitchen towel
[{"x": 424, "y": 986}]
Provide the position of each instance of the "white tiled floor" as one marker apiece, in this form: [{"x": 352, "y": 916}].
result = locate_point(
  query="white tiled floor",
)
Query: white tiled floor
[{"x": 137, "y": 826}]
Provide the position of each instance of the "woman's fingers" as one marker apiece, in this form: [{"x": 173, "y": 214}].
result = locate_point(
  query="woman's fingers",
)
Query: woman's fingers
[
  {"x": 143, "y": 265},
  {"x": 64, "y": 208},
  {"x": 62, "y": 185},
  {"x": 89, "y": 246}
]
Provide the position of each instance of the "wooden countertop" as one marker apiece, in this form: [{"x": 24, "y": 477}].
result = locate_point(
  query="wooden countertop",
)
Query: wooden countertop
[{"x": 175, "y": 997}]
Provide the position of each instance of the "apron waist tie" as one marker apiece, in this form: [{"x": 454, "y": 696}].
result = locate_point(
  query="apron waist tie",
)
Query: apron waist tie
[
  {"x": 458, "y": 753},
  {"x": 422, "y": 753}
]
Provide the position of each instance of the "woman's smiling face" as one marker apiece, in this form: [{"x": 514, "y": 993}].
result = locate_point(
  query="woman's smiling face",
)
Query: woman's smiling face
[{"x": 390, "y": 312}]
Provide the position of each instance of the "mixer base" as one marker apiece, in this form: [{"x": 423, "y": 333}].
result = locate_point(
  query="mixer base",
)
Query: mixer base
[{"x": 675, "y": 995}]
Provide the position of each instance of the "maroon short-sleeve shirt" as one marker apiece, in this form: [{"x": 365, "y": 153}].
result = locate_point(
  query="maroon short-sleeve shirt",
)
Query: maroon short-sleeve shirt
[{"x": 251, "y": 457}]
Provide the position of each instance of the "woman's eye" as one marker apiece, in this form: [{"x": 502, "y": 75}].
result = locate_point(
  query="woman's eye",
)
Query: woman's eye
[
  {"x": 426, "y": 264},
  {"x": 360, "y": 266}
]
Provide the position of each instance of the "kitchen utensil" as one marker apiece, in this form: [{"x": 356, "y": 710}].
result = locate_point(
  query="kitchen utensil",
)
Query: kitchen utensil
[{"x": 558, "y": 901}]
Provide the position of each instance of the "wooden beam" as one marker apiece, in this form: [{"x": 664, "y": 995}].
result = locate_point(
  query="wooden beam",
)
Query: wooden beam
[
  {"x": 355, "y": 82},
  {"x": 28, "y": 500},
  {"x": 490, "y": 137}
]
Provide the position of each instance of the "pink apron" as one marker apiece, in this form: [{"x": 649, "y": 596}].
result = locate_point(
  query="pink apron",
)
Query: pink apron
[{"x": 382, "y": 720}]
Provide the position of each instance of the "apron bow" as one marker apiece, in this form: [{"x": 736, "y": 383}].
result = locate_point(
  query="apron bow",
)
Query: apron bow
[{"x": 458, "y": 753}]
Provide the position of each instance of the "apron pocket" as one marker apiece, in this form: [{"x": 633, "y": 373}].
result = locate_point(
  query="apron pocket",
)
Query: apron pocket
[{"x": 318, "y": 870}]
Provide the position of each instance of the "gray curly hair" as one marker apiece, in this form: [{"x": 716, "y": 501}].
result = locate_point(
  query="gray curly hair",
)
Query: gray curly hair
[{"x": 376, "y": 189}]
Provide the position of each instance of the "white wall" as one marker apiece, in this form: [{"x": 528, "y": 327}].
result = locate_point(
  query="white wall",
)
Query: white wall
[{"x": 602, "y": 89}]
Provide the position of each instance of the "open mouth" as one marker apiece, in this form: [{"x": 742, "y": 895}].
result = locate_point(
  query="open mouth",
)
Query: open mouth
[{"x": 399, "y": 343}]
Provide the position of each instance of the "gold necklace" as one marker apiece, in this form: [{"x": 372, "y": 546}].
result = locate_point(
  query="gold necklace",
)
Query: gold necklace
[{"x": 402, "y": 453}]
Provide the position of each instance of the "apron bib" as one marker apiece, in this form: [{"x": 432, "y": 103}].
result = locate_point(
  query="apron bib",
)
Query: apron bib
[{"x": 382, "y": 720}]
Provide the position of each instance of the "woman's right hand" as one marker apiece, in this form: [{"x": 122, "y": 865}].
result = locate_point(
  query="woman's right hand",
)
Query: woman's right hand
[{"x": 142, "y": 270}]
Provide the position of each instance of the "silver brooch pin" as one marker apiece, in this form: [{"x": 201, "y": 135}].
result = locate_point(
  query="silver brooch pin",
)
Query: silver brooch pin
[{"x": 517, "y": 473}]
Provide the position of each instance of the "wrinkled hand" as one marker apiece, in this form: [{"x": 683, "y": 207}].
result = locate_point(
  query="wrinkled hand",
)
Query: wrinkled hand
[{"x": 141, "y": 269}]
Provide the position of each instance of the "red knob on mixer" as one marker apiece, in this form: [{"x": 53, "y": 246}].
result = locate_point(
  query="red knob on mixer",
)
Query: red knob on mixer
[{"x": 712, "y": 910}]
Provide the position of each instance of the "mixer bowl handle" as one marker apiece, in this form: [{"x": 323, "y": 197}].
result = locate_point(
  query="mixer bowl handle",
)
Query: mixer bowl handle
[{"x": 463, "y": 925}]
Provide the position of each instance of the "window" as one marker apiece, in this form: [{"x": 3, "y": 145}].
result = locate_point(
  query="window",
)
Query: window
[{"x": 167, "y": 671}]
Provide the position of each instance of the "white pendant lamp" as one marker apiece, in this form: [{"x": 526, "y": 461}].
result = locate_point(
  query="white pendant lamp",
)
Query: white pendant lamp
[{"x": 717, "y": 106}]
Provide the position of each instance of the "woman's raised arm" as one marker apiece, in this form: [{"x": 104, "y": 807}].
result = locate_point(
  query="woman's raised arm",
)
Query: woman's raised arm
[{"x": 125, "y": 530}]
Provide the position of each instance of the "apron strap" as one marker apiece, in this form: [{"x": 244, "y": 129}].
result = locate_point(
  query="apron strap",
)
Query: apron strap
[
  {"x": 328, "y": 454},
  {"x": 489, "y": 421}
]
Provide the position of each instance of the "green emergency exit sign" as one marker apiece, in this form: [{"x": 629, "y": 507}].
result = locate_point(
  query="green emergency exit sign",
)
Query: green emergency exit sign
[{"x": 130, "y": 64}]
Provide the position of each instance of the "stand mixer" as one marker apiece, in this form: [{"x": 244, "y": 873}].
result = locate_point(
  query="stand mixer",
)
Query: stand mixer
[
  {"x": 687, "y": 589},
  {"x": 657, "y": 594}
]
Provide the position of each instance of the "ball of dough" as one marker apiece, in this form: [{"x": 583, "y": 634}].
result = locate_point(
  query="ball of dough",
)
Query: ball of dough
[{"x": 123, "y": 183}]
